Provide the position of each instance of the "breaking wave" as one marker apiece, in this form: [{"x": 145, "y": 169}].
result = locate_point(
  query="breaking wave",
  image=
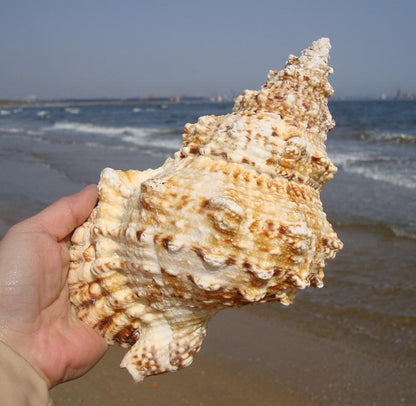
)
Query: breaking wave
[
  {"x": 88, "y": 128},
  {"x": 167, "y": 138},
  {"x": 386, "y": 136},
  {"x": 378, "y": 168}
]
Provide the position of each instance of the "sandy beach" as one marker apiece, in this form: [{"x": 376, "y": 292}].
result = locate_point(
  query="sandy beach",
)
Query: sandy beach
[{"x": 248, "y": 360}]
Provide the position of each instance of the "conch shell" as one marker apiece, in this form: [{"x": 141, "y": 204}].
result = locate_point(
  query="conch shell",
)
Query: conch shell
[{"x": 235, "y": 218}]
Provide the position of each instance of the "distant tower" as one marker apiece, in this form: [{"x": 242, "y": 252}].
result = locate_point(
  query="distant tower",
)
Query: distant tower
[{"x": 399, "y": 94}]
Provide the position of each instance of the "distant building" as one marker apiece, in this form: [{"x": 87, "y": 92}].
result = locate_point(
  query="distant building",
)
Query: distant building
[{"x": 400, "y": 95}]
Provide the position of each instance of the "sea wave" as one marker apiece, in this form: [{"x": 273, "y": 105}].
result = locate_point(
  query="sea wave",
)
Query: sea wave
[
  {"x": 387, "y": 136},
  {"x": 171, "y": 144},
  {"x": 11, "y": 130},
  {"x": 378, "y": 168},
  {"x": 165, "y": 138},
  {"x": 406, "y": 231},
  {"x": 378, "y": 174},
  {"x": 43, "y": 115},
  {"x": 7, "y": 112},
  {"x": 72, "y": 110},
  {"x": 89, "y": 128}
]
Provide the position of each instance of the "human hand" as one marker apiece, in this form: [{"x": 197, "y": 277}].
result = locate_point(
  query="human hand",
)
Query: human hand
[{"x": 35, "y": 316}]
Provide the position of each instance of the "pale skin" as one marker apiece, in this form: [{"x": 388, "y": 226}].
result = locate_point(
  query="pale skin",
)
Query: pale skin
[{"x": 35, "y": 315}]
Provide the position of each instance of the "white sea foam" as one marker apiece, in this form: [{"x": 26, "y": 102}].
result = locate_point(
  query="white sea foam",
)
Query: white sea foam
[
  {"x": 11, "y": 130},
  {"x": 387, "y": 136},
  {"x": 72, "y": 110},
  {"x": 385, "y": 176},
  {"x": 16, "y": 130},
  {"x": 172, "y": 143},
  {"x": 35, "y": 132},
  {"x": 135, "y": 135},
  {"x": 43, "y": 114},
  {"x": 364, "y": 165},
  {"x": 403, "y": 232},
  {"x": 342, "y": 160},
  {"x": 103, "y": 130},
  {"x": 137, "y": 110},
  {"x": 4, "y": 112}
]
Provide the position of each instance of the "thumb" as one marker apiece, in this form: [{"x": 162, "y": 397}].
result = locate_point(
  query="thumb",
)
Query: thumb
[{"x": 62, "y": 217}]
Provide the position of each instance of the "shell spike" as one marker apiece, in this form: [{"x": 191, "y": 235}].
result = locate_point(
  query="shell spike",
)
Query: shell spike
[{"x": 163, "y": 348}]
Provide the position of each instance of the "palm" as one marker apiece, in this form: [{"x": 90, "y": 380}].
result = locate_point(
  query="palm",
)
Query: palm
[
  {"x": 62, "y": 344},
  {"x": 41, "y": 326}
]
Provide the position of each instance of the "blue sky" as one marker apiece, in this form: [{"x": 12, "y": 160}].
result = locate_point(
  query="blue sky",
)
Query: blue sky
[{"x": 126, "y": 48}]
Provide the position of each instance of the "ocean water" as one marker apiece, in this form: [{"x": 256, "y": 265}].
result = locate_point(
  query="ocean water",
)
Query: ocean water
[
  {"x": 374, "y": 148},
  {"x": 369, "y": 298}
]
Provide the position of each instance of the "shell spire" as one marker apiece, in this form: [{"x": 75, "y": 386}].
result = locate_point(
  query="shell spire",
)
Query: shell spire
[
  {"x": 298, "y": 93},
  {"x": 279, "y": 130},
  {"x": 235, "y": 218}
]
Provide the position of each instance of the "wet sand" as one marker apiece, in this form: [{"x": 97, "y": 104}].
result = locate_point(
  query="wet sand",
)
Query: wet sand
[{"x": 248, "y": 360}]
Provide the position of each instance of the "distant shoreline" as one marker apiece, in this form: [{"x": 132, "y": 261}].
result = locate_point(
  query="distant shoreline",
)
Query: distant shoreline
[
  {"x": 102, "y": 102},
  {"x": 4, "y": 104}
]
